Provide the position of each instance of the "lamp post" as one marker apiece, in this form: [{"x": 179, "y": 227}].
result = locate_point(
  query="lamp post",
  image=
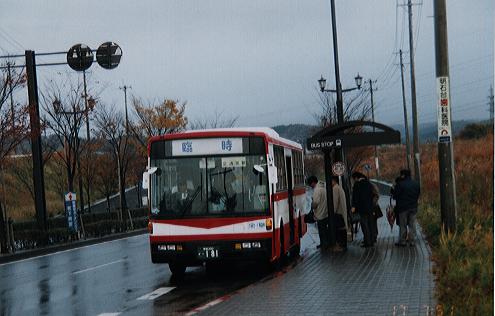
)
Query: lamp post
[
  {"x": 323, "y": 82},
  {"x": 340, "y": 152}
]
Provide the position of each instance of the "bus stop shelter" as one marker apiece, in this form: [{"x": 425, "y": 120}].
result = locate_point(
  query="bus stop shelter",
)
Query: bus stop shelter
[{"x": 346, "y": 135}]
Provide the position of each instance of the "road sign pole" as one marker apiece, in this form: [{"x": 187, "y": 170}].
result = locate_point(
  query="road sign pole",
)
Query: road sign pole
[
  {"x": 328, "y": 179},
  {"x": 448, "y": 203}
]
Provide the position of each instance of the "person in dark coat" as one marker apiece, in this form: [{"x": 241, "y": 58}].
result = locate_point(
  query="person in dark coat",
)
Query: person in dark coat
[
  {"x": 406, "y": 193},
  {"x": 392, "y": 190},
  {"x": 362, "y": 203}
]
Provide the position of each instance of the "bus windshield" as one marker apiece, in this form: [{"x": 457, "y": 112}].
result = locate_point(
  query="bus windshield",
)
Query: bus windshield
[{"x": 209, "y": 186}]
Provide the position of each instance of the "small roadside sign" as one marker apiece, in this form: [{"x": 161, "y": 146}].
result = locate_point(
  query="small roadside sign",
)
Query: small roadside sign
[
  {"x": 444, "y": 117},
  {"x": 338, "y": 168},
  {"x": 71, "y": 211}
]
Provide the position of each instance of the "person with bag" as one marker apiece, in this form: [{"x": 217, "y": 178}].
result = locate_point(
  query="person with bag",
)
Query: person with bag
[
  {"x": 377, "y": 211},
  {"x": 340, "y": 209},
  {"x": 319, "y": 206},
  {"x": 406, "y": 193},
  {"x": 362, "y": 203}
]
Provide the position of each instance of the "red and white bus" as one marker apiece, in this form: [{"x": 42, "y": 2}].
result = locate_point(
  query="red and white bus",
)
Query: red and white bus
[{"x": 217, "y": 194}]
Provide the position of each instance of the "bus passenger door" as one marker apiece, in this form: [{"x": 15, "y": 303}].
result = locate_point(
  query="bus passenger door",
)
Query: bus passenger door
[{"x": 288, "y": 165}]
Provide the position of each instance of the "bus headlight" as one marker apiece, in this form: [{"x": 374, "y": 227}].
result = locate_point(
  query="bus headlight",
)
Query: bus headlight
[{"x": 256, "y": 244}]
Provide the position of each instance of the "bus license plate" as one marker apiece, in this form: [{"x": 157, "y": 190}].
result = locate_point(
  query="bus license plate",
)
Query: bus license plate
[{"x": 207, "y": 252}]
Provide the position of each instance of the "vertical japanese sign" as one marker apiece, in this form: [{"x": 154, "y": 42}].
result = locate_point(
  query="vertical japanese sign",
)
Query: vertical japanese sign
[
  {"x": 71, "y": 211},
  {"x": 444, "y": 117}
]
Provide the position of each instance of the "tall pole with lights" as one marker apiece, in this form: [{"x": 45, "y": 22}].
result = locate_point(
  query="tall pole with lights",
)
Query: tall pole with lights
[{"x": 340, "y": 153}]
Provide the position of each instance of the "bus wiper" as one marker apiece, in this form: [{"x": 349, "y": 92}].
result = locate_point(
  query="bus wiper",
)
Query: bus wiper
[{"x": 190, "y": 202}]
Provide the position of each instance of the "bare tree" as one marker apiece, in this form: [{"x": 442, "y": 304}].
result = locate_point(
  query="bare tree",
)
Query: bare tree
[
  {"x": 105, "y": 166},
  {"x": 111, "y": 127},
  {"x": 65, "y": 118},
  {"x": 356, "y": 107},
  {"x": 21, "y": 165},
  {"x": 215, "y": 121},
  {"x": 13, "y": 117},
  {"x": 13, "y": 130}
]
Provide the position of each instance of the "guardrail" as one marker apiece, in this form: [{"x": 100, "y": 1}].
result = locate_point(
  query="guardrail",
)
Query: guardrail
[{"x": 26, "y": 234}]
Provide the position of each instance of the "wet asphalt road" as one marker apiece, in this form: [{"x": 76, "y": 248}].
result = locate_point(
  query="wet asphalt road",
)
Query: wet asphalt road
[{"x": 118, "y": 277}]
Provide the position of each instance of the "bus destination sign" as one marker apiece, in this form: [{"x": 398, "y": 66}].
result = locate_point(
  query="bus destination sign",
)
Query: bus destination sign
[{"x": 206, "y": 146}]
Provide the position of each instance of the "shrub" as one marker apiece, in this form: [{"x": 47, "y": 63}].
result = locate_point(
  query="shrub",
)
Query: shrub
[{"x": 475, "y": 130}]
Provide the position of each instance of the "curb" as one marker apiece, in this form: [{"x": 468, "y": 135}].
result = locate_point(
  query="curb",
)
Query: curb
[{"x": 25, "y": 254}]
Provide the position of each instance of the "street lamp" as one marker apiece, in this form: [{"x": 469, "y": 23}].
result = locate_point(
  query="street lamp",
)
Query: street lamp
[{"x": 323, "y": 82}]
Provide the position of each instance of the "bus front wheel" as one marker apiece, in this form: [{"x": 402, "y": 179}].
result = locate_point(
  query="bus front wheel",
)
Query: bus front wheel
[{"x": 177, "y": 269}]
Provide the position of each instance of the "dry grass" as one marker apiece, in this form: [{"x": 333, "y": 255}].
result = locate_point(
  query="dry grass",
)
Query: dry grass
[{"x": 464, "y": 259}]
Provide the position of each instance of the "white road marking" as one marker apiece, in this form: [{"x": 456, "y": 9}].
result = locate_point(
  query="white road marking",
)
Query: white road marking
[
  {"x": 68, "y": 250},
  {"x": 156, "y": 293},
  {"x": 96, "y": 267},
  {"x": 109, "y": 314},
  {"x": 207, "y": 305}
]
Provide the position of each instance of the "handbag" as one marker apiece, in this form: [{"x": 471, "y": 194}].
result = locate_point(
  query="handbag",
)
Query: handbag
[
  {"x": 310, "y": 217},
  {"x": 377, "y": 211},
  {"x": 391, "y": 214},
  {"x": 355, "y": 217}
]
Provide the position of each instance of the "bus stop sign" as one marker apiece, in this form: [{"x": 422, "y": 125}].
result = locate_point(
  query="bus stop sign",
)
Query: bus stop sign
[
  {"x": 71, "y": 211},
  {"x": 338, "y": 168},
  {"x": 108, "y": 55},
  {"x": 80, "y": 57}
]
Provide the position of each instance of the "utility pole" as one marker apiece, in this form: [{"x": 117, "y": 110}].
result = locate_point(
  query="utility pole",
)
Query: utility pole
[
  {"x": 448, "y": 204},
  {"x": 34, "y": 118},
  {"x": 124, "y": 88},
  {"x": 88, "y": 143},
  {"x": 406, "y": 124},
  {"x": 86, "y": 107},
  {"x": 417, "y": 166},
  {"x": 377, "y": 165},
  {"x": 490, "y": 104},
  {"x": 340, "y": 120},
  {"x": 9, "y": 74}
]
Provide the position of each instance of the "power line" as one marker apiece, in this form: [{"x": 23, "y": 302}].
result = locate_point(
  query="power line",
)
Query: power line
[{"x": 428, "y": 96}]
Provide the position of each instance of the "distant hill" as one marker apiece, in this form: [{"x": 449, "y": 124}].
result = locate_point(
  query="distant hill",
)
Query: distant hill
[{"x": 427, "y": 131}]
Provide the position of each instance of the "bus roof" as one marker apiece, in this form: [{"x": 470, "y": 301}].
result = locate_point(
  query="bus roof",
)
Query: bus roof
[{"x": 272, "y": 135}]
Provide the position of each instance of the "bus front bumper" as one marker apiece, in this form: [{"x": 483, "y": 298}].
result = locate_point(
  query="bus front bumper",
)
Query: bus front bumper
[{"x": 197, "y": 252}]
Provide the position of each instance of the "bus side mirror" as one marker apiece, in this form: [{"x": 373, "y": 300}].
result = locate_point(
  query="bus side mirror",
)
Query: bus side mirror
[
  {"x": 146, "y": 177},
  {"x": 146, "y": 180}
]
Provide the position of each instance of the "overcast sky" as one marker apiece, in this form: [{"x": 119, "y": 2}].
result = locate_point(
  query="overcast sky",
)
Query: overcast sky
[{"x": 260, "y": 59}]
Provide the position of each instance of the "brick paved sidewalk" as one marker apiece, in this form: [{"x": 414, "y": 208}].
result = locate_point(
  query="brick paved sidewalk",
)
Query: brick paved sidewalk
[{"x": 383, "y": 280}]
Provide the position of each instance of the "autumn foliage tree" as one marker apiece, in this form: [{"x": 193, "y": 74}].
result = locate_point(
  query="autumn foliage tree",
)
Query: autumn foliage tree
[
  {"x": 153, "y": 119},
  {"x": 157, "y": 119}
]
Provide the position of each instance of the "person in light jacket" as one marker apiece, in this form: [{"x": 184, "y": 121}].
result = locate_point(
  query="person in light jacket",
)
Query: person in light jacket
[
  {"x": 339, "y": 200},
  {"x": 320, "y": 209}
]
